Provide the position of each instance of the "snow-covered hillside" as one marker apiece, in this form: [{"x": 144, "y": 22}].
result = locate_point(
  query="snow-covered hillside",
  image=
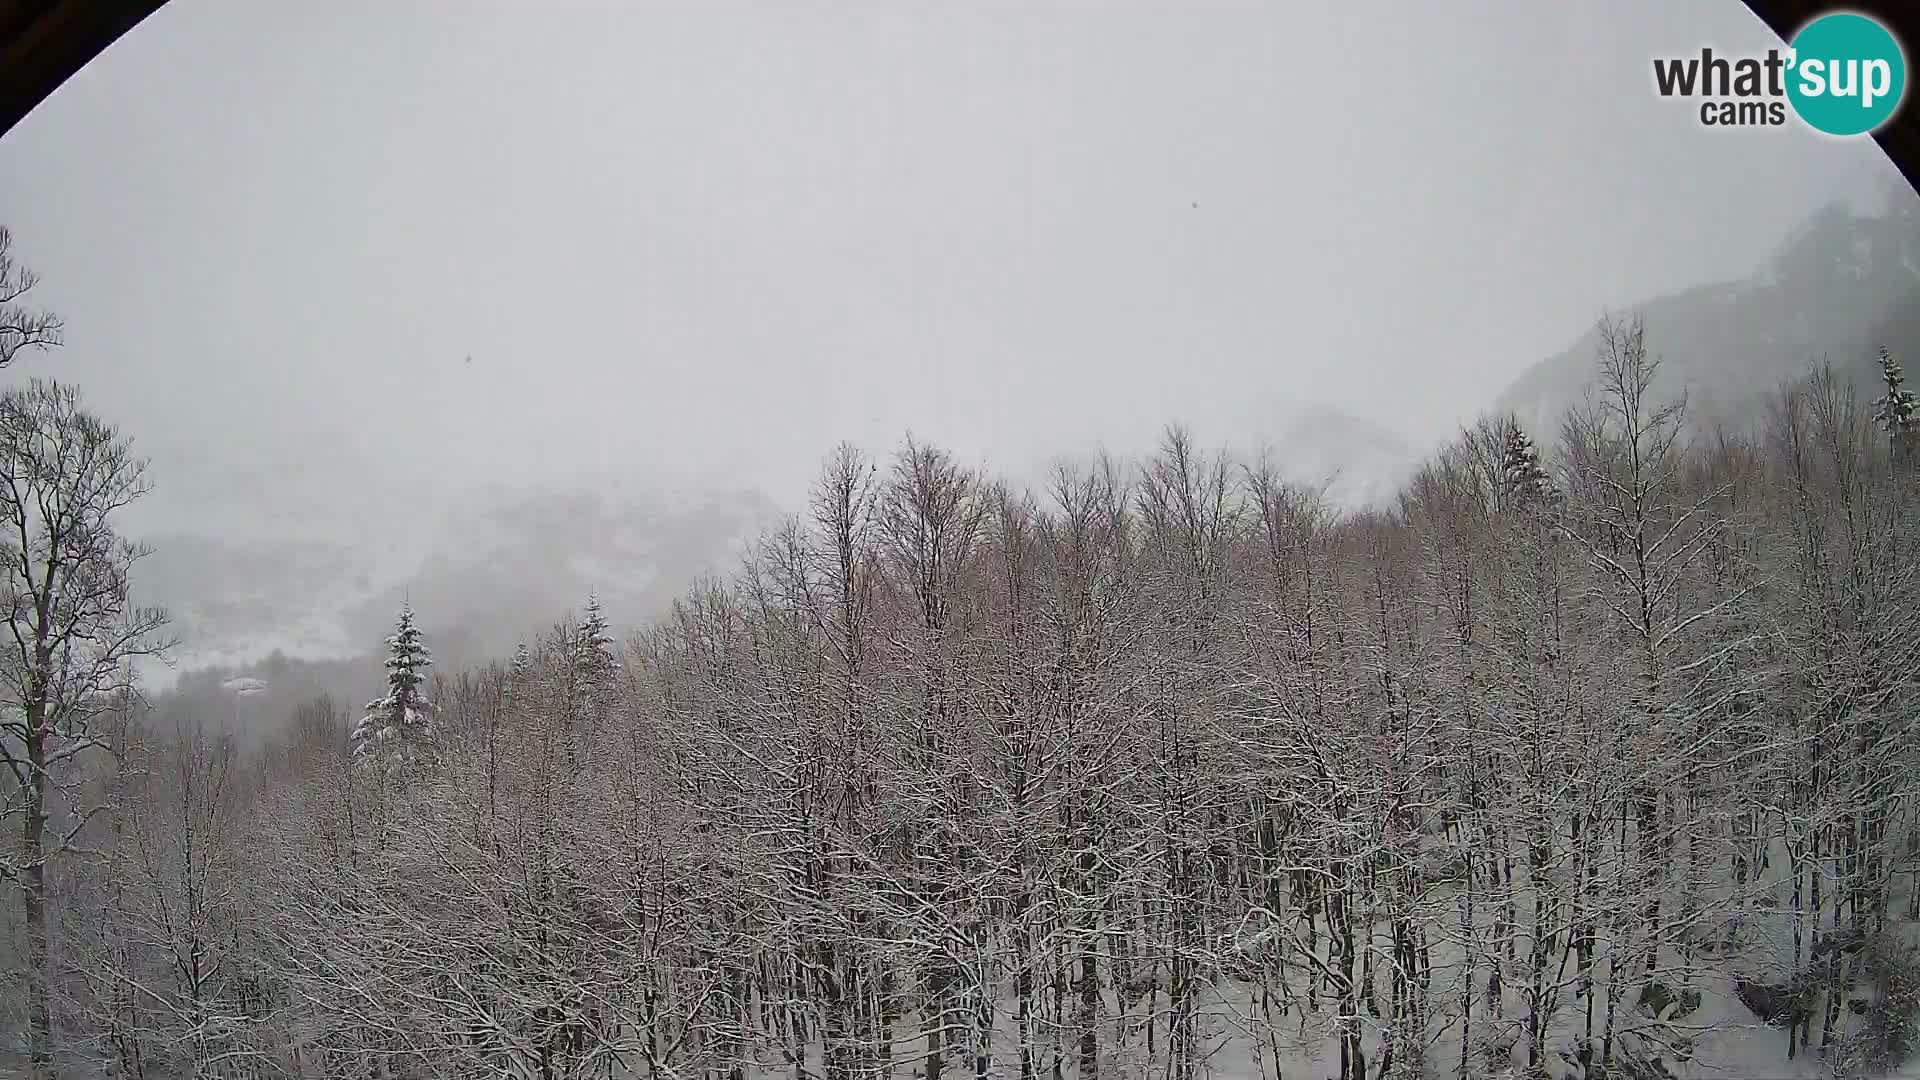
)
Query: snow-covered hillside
[
  {"x": 494, "y": 567},
  {"x": 1840, "y": 285}
]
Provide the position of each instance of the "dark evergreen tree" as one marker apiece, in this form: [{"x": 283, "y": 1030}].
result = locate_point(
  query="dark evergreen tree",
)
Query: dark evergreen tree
[
  {"x": 401, "y": 721},
  {"x": 1896, "y": 408},
  {"x": 593, "y": 663},
  {"x": 1520, "y": 467}
]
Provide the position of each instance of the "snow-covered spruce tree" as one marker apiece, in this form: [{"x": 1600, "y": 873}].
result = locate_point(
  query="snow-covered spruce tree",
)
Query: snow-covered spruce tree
[
  {"x": 1520, "y": 467},
  {"x": 401, "y": 722},
  {"x": 1896, "y": 410},
  {"x": 520, "y": 672},
  {"x": 593, "y": 657},
  {"x": 589, "y": 667},
  {"x": 515, "y": 687}
]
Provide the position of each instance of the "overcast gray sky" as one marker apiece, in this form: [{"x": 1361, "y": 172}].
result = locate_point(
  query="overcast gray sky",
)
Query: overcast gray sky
[{"x": 707, "y": 240}]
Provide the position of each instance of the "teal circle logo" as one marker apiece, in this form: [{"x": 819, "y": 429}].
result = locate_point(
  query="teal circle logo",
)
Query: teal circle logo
[{"x": 1847, "y": 74}]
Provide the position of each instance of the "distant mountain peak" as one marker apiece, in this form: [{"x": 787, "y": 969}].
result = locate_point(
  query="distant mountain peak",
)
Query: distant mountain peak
[
  {"x": 498, "y": 565},
  {"x": 1360, "y": 461},
  {"x": 1839, "y": 284}
]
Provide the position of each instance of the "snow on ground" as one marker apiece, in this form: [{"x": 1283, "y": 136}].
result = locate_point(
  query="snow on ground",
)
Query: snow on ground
[{"x": 1242, "y": 1040}]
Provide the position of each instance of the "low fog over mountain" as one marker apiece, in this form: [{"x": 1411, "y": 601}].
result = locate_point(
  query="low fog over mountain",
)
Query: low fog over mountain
[
  {"x": 489, "y": 567},
  {"x": 498, "y": 568},
  {"x": 1841, "y": 284}
]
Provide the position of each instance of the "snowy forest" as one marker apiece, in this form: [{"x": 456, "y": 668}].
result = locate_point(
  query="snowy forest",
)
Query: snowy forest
[{"x": 1590, "y": 756}]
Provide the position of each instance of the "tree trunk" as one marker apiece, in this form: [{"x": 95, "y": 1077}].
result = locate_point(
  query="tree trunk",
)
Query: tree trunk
[{"x": 33, "y": 844}]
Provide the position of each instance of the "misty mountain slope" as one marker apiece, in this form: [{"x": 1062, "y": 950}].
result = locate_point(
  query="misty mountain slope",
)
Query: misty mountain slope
[
  {"x": 1841, "y": 285},
  {"x": 244, "y": 598},
  {"x": 1360, "y": 462},
  {"x": 498, "y": 567},
  {"x": 511, "y": 565},
  {"x": 255, "y": 701}
]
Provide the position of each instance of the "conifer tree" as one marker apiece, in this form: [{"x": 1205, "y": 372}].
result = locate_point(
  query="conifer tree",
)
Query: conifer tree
[
  {"x": 586, "y": 666},
  {"x": 1520, "y": 466},
  {"x": 1896, "y": 409},
  {"x": 401, "y": 721},
  {"x": 592, "y": 660},
  {"x": 519, "y": 672}
]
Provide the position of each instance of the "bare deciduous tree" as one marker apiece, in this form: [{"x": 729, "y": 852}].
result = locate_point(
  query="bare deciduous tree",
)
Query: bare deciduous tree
[
  {"x": 73, "y": 633},
  {"x": 22, "y": 326}
]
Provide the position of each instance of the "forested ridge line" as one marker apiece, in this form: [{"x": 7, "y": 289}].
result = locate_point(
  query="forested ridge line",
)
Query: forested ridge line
[{"x": 1584, "y": 761}]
